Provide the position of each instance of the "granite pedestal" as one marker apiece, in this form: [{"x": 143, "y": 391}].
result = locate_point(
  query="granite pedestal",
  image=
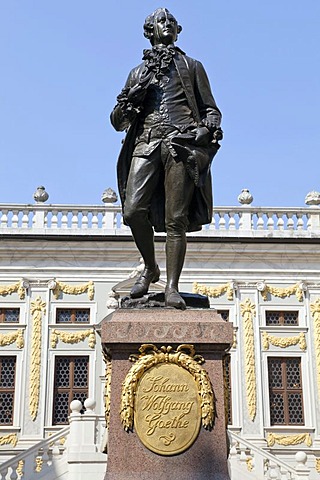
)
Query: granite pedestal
[{"x": 122, "y": 333}]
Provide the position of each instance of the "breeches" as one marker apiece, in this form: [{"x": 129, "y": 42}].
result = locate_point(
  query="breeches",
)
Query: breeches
[{"x": 144, "y": 176}]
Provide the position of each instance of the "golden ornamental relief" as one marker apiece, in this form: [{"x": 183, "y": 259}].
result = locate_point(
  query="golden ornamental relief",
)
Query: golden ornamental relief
[
  {"x": 73, "y": 337},
  {"x": 73, "y": 289},
  {"x": 214, "y": 292},
  {"x": 248, "y": 311},
  {"x": 287, "y": 440},
  {"x": 13, "y": 337},
  {"x": 315, "y": 312},
  {"x": 317, "y": 465},
  {"x": 18, "y": 287},
  {"x": 167, "y": 395},
  {"x": 107, "y": 387},
  {"x": 38, "y": 308},
  {"x": 296, "y": 289},
  {"x": 11, "y": 438},
  {"x": 284, "y": 342}
]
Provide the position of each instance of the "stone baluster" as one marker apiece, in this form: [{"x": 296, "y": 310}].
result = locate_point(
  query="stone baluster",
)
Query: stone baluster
[
  {"x": 290, "y": 222},
  {"x": 94, "y": 221},
  {"x": 222, "y": 222},
  {"x": 273, "y": 471},
  {"x": 64, "y": 219},
  {"x": 25, "y": 219},
  {"x": 280, "y": 222},
  {"x": 302, "y": 470},
  {"x": 15, "y": 219},
  {"x": 4, "y": 219},
  {"x": 54, "y": 219},
  {"x": 232, "y": 221},
  {"x": 270, "y": 222},
  {"x": 3, "y": 473},
  {"x": 300, "y": 222},
  {"x": 260, "y": 221},
  {"x": 284, "y": 474},
  {"x": 74, "y": 220},
  {"x": 243, "y": 456},
  {"x": 85, "y": 220},
  {"x": 212, "y": 225}
]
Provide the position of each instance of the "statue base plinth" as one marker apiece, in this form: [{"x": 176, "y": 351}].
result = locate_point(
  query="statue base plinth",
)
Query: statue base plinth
[{"x": 122, "y": 334}]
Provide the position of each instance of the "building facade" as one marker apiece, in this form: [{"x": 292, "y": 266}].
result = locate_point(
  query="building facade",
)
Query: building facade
[{"x": 64, "y": 268}]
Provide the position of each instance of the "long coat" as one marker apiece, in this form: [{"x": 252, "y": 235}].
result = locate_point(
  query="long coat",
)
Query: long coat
[{"x": 202, "y": 104}]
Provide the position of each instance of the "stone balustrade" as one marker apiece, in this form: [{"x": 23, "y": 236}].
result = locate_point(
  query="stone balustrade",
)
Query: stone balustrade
[
  {"x": 247, "y": 461},
  {"x": 95, "y": 220}
]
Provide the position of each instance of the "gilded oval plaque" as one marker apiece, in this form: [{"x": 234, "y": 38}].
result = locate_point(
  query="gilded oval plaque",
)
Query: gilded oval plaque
[{"x": 167, "y": 409}]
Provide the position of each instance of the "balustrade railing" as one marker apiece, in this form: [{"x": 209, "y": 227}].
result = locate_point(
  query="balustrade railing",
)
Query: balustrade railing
[
  {"x": 35, "y": 460},
  {"x": 249, "y": 461},
  {"x": 96, "y": 220}
]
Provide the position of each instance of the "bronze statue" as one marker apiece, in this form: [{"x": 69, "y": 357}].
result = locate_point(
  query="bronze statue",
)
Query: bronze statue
[{"x": 173, "y": 129}]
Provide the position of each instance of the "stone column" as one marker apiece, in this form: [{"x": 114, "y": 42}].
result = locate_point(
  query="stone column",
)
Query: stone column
[{"x": 122, "y": 333}]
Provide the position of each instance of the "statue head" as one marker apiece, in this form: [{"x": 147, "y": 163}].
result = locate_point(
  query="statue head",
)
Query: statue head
[{"x": 160, "y": 27}]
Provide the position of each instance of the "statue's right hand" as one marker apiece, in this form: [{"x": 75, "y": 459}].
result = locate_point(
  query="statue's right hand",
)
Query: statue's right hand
[{"x": 136, "y": 95}]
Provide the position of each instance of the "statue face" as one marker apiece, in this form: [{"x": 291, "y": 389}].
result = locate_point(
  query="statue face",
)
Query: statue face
[{"x": 165, "y": 28}]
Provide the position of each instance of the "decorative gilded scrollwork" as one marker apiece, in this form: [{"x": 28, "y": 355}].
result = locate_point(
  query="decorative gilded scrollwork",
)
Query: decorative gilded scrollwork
[
  {"x": 73, "y": 289},
  {"x": 18, "y": 287},
  {"x": 107, "y": 387},
  {"x": 38, "y": 307},
  {"x": 284, "y": 342},
  {"x": 9, "y": 338},
  {"x": 315, "y": 312},
  {"x": 249, "y": 464},
  {"x": 214, "y": 292},
  {"x": 296, "y": 289},
  {"x": 38, "y": 464},
  {"x": 183, "y": 356},
  {"x": 73, "y": 337},
  {"x": 287, "y": 440},
  {"x": 9, "y": 439},
  {"x": 318, "y": 465},
  {"x": 248, "y": 311},
  {"x": 19, "y": 469}
]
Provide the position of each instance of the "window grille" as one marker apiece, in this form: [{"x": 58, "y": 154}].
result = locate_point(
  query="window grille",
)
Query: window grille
[
  {"x": 224, "y": 314},
  {"x": 9, "y": 315},
  {"x": 70, "y": 383},
  {"x": 286, "y": 318},
  {"x": 285, "y": 391},
  {"x": 7, "y": 385},
  {"x": 73, "y": 315},
  {"x": 227, "y": 387}
]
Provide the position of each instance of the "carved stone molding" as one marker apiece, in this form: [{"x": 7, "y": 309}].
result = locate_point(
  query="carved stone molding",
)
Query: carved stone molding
[
  {"x": 19, "y": 287},
  {"x": 284, "y": 342},
  {"x": 215, "y": 292},
  {"x": 9, "y": 338},
  {"x": 9, "y": 439},
  {"x": 297, "y": 289},
  {"x": 58, "y": 287},
  {"x": 315, "y": 312},
  {"x": 38, "y": 308},
  {"x": 287, "y": 440},
  {"x": 248, "y": 311},
  {"x": 73, "y": 337}
]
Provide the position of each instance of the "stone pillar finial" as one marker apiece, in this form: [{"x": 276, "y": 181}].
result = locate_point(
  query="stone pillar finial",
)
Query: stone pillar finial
[
  {"x": 109, "y": 196},
  {"x": 245, "y": 197},
  {"x": 40, "y": 195},
  {"x": 312, "y": 198}
]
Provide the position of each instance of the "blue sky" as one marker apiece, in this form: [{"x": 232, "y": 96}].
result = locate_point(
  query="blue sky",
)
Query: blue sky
[{"x": 64, "y": 62}]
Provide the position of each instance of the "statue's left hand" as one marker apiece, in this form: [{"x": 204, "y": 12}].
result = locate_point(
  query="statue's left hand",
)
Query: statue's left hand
[{"x": 202, "y": 136}]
